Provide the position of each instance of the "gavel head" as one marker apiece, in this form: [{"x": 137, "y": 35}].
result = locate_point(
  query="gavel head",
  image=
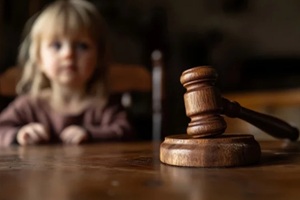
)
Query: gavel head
[{"x": 202, "y": 102}]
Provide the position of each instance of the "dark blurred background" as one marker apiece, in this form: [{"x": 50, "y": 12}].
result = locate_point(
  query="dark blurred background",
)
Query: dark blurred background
[{"x": 253, "y": 44}]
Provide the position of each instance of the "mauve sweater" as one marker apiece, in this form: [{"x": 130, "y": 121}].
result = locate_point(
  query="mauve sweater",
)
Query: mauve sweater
[{"x": 101, "y": 123}]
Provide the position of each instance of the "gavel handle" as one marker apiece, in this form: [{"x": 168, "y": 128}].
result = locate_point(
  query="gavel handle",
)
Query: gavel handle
[{"x": 272, "y": 125}]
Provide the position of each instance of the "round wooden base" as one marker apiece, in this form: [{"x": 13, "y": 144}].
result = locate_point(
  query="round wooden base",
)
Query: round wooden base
[{"x": 219, "y": 151}]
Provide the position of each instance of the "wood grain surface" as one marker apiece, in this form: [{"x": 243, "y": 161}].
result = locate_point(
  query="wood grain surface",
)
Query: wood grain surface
[
  {"x": 219, "y": 151},
  {"x": 133, "y": 171}
]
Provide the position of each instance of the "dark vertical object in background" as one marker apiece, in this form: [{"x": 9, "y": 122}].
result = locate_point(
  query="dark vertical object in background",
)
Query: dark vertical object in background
[
  {"x": 156, "y": 44},
  {"x": 158, "y": 95},
  {"x": 155, "y": 34}
]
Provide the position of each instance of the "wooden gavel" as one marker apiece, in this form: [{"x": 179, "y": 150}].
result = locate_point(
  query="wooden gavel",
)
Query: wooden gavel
[{"x": 204, "y": 105}]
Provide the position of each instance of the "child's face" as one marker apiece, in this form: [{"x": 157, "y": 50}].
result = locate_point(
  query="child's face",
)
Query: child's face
[{"x": 68, "y": 61}]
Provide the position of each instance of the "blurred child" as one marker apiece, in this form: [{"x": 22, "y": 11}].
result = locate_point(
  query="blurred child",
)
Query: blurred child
[{"x": 63, "y": 96}]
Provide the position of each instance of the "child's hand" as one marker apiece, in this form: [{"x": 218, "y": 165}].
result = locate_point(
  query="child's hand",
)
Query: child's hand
[
  {"x": 32, "y": 133},
  {"x": 74, "y": 135}
]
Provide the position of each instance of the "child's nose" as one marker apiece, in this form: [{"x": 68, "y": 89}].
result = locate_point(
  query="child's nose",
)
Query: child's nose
[{"x": 68, "y": 51}]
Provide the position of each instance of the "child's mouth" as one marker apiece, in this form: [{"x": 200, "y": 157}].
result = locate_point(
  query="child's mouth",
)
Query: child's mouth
[{"x": 70, "y": 68}]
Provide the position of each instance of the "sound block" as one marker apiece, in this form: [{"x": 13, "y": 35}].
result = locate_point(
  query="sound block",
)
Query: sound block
[{"x": 218, "y": 151}]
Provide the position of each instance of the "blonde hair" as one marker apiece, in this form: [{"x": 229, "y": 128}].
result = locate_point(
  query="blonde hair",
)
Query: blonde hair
[{"x": 66, "y": 17}]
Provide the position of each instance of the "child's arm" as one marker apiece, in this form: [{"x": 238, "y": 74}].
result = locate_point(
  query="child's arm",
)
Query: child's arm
[
  {"x": 10, "y": 123},
  {"x": 111, "y": 123},
  {"x": 32, "y": 133},
  {"x": 74, "y": 134},
  {"x": 13, "y": 118}
]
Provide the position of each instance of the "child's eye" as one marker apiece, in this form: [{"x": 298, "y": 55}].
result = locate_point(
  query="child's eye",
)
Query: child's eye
[
  {"x": 82, "y": 46},
  {"x": 56, "y": 45}
]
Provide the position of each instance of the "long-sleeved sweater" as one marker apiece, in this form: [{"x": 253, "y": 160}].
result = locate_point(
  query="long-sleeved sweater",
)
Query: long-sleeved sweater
[{"x": 100, "y": 122}]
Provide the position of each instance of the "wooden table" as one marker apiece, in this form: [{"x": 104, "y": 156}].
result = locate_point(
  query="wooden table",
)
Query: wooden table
[{"x": 133, "y": 171}]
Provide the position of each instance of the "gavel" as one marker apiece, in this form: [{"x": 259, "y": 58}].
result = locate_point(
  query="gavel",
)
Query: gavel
[
  {"x": 205, "y": 145},
  {"x": 204, "y": 105}
]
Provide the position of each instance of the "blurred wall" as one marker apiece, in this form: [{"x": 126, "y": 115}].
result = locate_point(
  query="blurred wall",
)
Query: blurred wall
[{"x": 254, "y": 44}]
